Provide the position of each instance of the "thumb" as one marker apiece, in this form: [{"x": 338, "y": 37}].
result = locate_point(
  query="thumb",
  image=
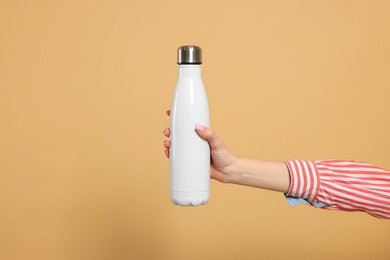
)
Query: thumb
[{"x": 209, "y": 135}]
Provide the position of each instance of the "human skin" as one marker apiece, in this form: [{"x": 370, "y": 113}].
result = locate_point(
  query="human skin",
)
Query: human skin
[{"x": 227, "y": 168}]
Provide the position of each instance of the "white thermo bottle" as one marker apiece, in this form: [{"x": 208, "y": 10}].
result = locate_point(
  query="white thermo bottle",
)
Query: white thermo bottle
[{"x": 189, "y": 153}]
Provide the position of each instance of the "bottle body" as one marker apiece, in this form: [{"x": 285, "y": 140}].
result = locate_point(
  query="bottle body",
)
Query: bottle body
[{"x": 189, "y": 153}]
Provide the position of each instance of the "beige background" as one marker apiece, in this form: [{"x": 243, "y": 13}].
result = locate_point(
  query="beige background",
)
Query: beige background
[{"x": 83, "y": 90}]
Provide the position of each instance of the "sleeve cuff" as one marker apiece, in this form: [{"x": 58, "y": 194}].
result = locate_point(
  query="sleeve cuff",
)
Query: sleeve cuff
[{"x": 305, "y": 181}]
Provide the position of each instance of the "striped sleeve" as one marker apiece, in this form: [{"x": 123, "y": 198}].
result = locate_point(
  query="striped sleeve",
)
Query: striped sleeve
[{"x": 341, "y": 185}]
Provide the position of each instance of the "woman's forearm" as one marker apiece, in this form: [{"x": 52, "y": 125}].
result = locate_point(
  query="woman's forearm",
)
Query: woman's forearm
[{"x": 262, "y": 174}]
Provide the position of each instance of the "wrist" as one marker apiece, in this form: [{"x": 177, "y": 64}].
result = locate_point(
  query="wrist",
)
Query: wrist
[{"x": 234, "y": 173}]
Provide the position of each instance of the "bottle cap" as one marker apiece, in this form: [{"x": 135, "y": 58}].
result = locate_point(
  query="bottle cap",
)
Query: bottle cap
[{"x": 189, "y": 54}]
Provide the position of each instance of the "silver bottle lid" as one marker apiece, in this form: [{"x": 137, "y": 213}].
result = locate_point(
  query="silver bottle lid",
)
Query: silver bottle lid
[{"x": 189, "y": 54}]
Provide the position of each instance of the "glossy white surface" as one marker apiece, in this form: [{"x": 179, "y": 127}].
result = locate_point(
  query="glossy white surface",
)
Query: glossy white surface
[{"x": 189, "y": 154}]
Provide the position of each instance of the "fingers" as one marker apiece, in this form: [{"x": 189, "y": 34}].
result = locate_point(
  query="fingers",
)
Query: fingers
[
  {"x": 167, "y": 144},
  {"x": 167, "y": 132},
  {"x": 209, "y": 135}
]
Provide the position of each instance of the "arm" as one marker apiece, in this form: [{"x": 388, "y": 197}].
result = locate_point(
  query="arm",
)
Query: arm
[
  {"x": 339, "y": 185},
  {"x": 262, "y": 174},
  {"x": 342, "y": 185}
]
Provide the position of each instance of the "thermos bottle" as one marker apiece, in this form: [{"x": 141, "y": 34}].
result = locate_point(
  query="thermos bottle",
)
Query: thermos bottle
[{"x": 189, "y": 153}]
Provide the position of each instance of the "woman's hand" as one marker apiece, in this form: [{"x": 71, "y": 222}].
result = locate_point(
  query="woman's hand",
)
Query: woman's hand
[{"x": 224, "y": 166}]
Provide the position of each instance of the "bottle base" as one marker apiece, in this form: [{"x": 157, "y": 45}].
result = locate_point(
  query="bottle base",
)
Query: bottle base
[{"x": 190, "y": 198}]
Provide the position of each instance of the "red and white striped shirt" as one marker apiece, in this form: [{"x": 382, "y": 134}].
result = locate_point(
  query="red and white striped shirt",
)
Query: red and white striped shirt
[{"x": 341, "y": 185}]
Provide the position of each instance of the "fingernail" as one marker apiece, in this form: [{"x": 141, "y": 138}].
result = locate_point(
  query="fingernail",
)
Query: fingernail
[
  {"x": 164, "y": 130},
  {"x": 200, "y": 127}
]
